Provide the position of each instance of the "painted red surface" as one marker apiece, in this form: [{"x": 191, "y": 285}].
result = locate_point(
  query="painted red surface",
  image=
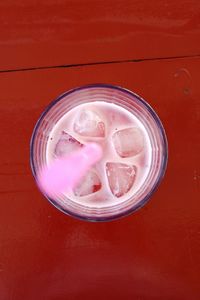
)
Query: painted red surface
[
  {"x": 152, "y": 254},
  {"x": 44, "y": 33}
]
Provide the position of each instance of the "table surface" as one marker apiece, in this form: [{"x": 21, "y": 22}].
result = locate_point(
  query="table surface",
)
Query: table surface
[{"x": 152, "y": 49}]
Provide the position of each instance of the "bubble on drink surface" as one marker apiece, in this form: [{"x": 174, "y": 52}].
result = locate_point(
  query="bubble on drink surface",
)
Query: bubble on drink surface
[
  {"x": 121, "y": 177},
  {"x": 128, "y": 142},
  {"x": 88, "y": 123},
  {"x": 89, "y": 185},
  {"x": 66, "y": 145}
]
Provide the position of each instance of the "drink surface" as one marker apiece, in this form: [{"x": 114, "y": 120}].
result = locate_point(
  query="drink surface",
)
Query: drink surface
[{"x": 126, "y": 146}]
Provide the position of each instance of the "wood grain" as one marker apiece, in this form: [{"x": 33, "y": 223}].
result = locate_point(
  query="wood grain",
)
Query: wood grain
[{"x": 47, "y": 33}]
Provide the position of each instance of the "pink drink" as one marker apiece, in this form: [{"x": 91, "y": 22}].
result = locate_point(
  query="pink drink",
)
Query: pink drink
[
  {"x": 133, "y": 144},
  {"x": 125, "y": 143}
]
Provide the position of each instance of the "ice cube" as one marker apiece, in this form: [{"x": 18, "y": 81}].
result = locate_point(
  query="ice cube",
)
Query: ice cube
[
  {"x": 128, "y": 142},
  {"x": 66, "y": 145},
  {"x": 89, "y": 185},
  {"x": 120, "y": 177},
  {"x": 88, "y": 123}
]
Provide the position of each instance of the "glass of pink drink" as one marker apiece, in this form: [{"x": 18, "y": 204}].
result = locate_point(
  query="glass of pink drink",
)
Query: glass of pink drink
[{"x": 133, "y": 142}]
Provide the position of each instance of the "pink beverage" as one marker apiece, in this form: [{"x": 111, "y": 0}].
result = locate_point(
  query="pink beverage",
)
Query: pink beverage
[
  {"x": 126, "y": 147},
  {"x": 133, "y": 143}
]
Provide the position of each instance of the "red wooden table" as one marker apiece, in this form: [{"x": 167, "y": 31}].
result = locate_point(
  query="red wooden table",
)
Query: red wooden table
[{"x": 153, "y": 49}]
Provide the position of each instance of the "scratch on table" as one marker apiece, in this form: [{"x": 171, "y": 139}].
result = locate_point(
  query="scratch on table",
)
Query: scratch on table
[
  {"x": 185, "y": 71},
  {"x": 196, "y": 175}
]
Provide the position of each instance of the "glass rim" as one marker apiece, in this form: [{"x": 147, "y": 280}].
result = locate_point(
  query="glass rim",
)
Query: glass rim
[{"x": 163, "y": 166}]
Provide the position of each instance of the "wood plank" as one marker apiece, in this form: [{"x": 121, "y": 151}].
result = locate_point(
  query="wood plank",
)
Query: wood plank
[
  {"x": 152, "y": 254},
  {"x": 44, "y": 33}
]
